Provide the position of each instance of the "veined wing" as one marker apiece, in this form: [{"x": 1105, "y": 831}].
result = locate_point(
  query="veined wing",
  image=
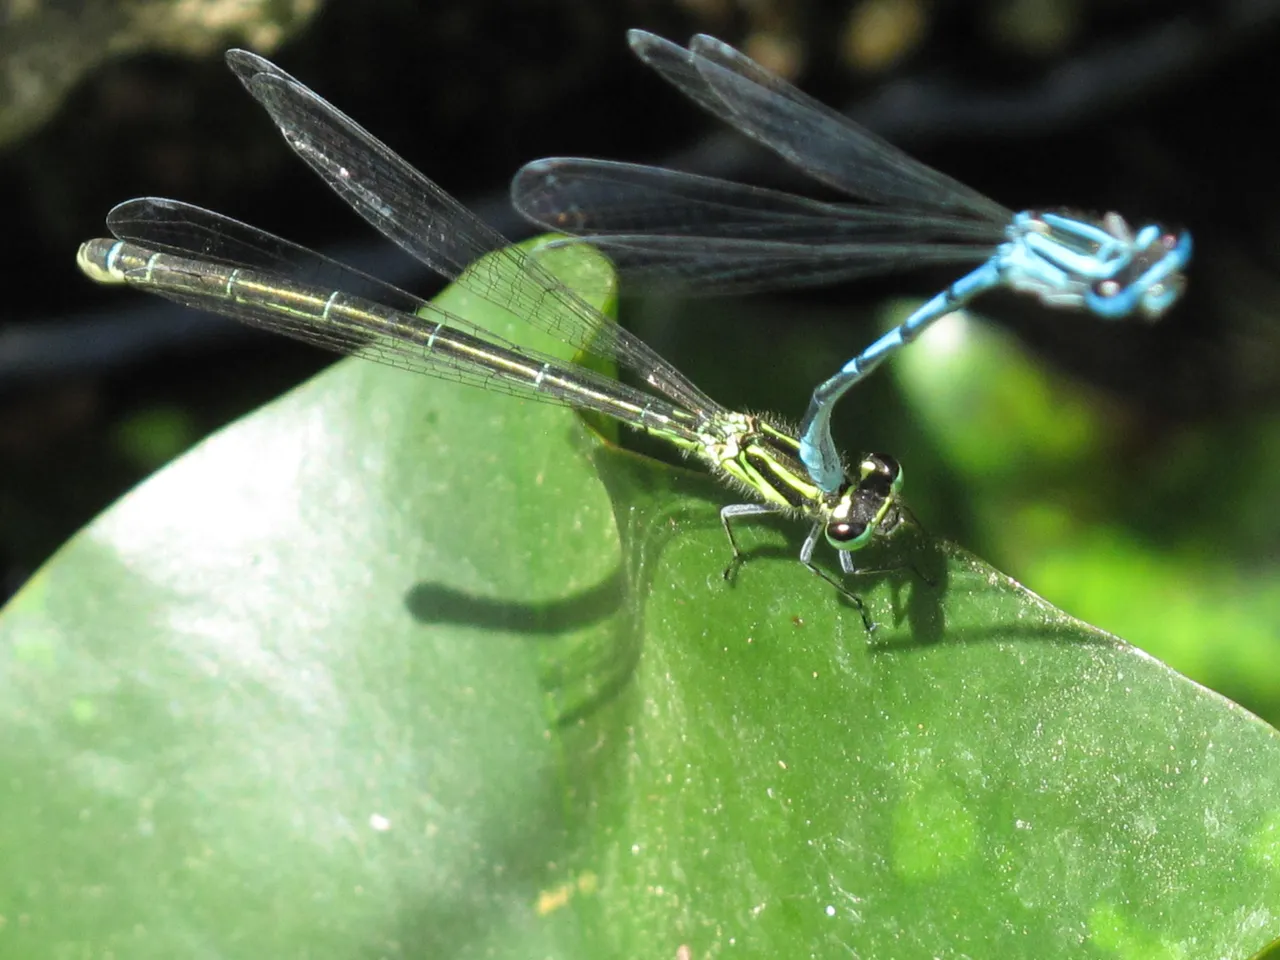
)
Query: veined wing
[
  {"x": 702, "y": 235},
  {"x": 810, "y": 135},
  {"x": 432, "y": 341},
  {"x": 413, "y": 212},
  {"x": 183, "y": 229}
]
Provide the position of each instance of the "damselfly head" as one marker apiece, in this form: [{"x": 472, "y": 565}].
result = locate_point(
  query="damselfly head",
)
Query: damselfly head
[
  {"x": 868, "y": 506},
  {"x": 1151, "y": 282}
]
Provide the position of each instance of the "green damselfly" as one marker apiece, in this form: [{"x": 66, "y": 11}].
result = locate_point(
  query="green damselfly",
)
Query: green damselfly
[{"x": 208, "y": 261}]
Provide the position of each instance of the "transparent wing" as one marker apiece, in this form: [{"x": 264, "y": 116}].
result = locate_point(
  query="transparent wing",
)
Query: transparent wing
[
  {"x": 171, "y": 226},
  {"x": 667, "y": 229},
  {"x": 430, "y": 225},
  {"x": 431, "y": 341},
  {"x": 730, "y": 267},
  {"x": 818, "y": 140}
]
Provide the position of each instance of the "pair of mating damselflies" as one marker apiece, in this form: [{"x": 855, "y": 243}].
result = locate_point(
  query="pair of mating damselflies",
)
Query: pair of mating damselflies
[
  {"x": 701, "y": 235},
  {"x": 202, "y": 259}
]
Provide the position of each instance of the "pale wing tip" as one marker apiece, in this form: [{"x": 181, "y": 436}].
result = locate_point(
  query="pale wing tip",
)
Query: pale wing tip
[
  {"x": 536, "y": 171},
  {"x": 246, "y": 64},
  {"x": 637, "y": 38},
  {"x": 649, "y": 46}
]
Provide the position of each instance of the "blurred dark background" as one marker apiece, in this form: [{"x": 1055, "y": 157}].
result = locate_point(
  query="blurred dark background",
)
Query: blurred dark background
[{"x": 1159, "y": 108}]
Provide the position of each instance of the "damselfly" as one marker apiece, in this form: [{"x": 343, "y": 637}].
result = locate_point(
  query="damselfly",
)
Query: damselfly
[
  {"x": 704, "y": 235},
  {"x": 205, "y": 260}
]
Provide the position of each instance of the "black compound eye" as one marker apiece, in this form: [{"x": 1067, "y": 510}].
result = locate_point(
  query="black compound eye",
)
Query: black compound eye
[
  {"x": 878, "y": 466},
  {"x": 846, "y": 531},
  {"x": 888, "y": 466}
]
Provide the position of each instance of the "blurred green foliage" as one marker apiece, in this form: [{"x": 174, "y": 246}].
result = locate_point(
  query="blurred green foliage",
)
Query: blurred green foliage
[
  {"x": 152, "y": 437},
  {"x": 1163, "y": 534}
]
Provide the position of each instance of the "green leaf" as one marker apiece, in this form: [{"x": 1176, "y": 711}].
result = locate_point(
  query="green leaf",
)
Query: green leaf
[
  {"x": 1164, "y": 536},
  {"x": 396, "y": 668}
]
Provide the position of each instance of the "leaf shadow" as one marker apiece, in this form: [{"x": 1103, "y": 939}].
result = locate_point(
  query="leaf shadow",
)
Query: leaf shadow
[
  {"x": 586, "y": 647},
  {"x": 1010, "y": 620},
  {"x": 434, "y": 603}
]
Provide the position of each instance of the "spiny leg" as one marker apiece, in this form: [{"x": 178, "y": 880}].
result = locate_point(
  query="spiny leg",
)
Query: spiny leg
[
  {"x": 846, "y": 564},
  {"x": 734, "y": 512},
  {"x": 738, "y": 510}
]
